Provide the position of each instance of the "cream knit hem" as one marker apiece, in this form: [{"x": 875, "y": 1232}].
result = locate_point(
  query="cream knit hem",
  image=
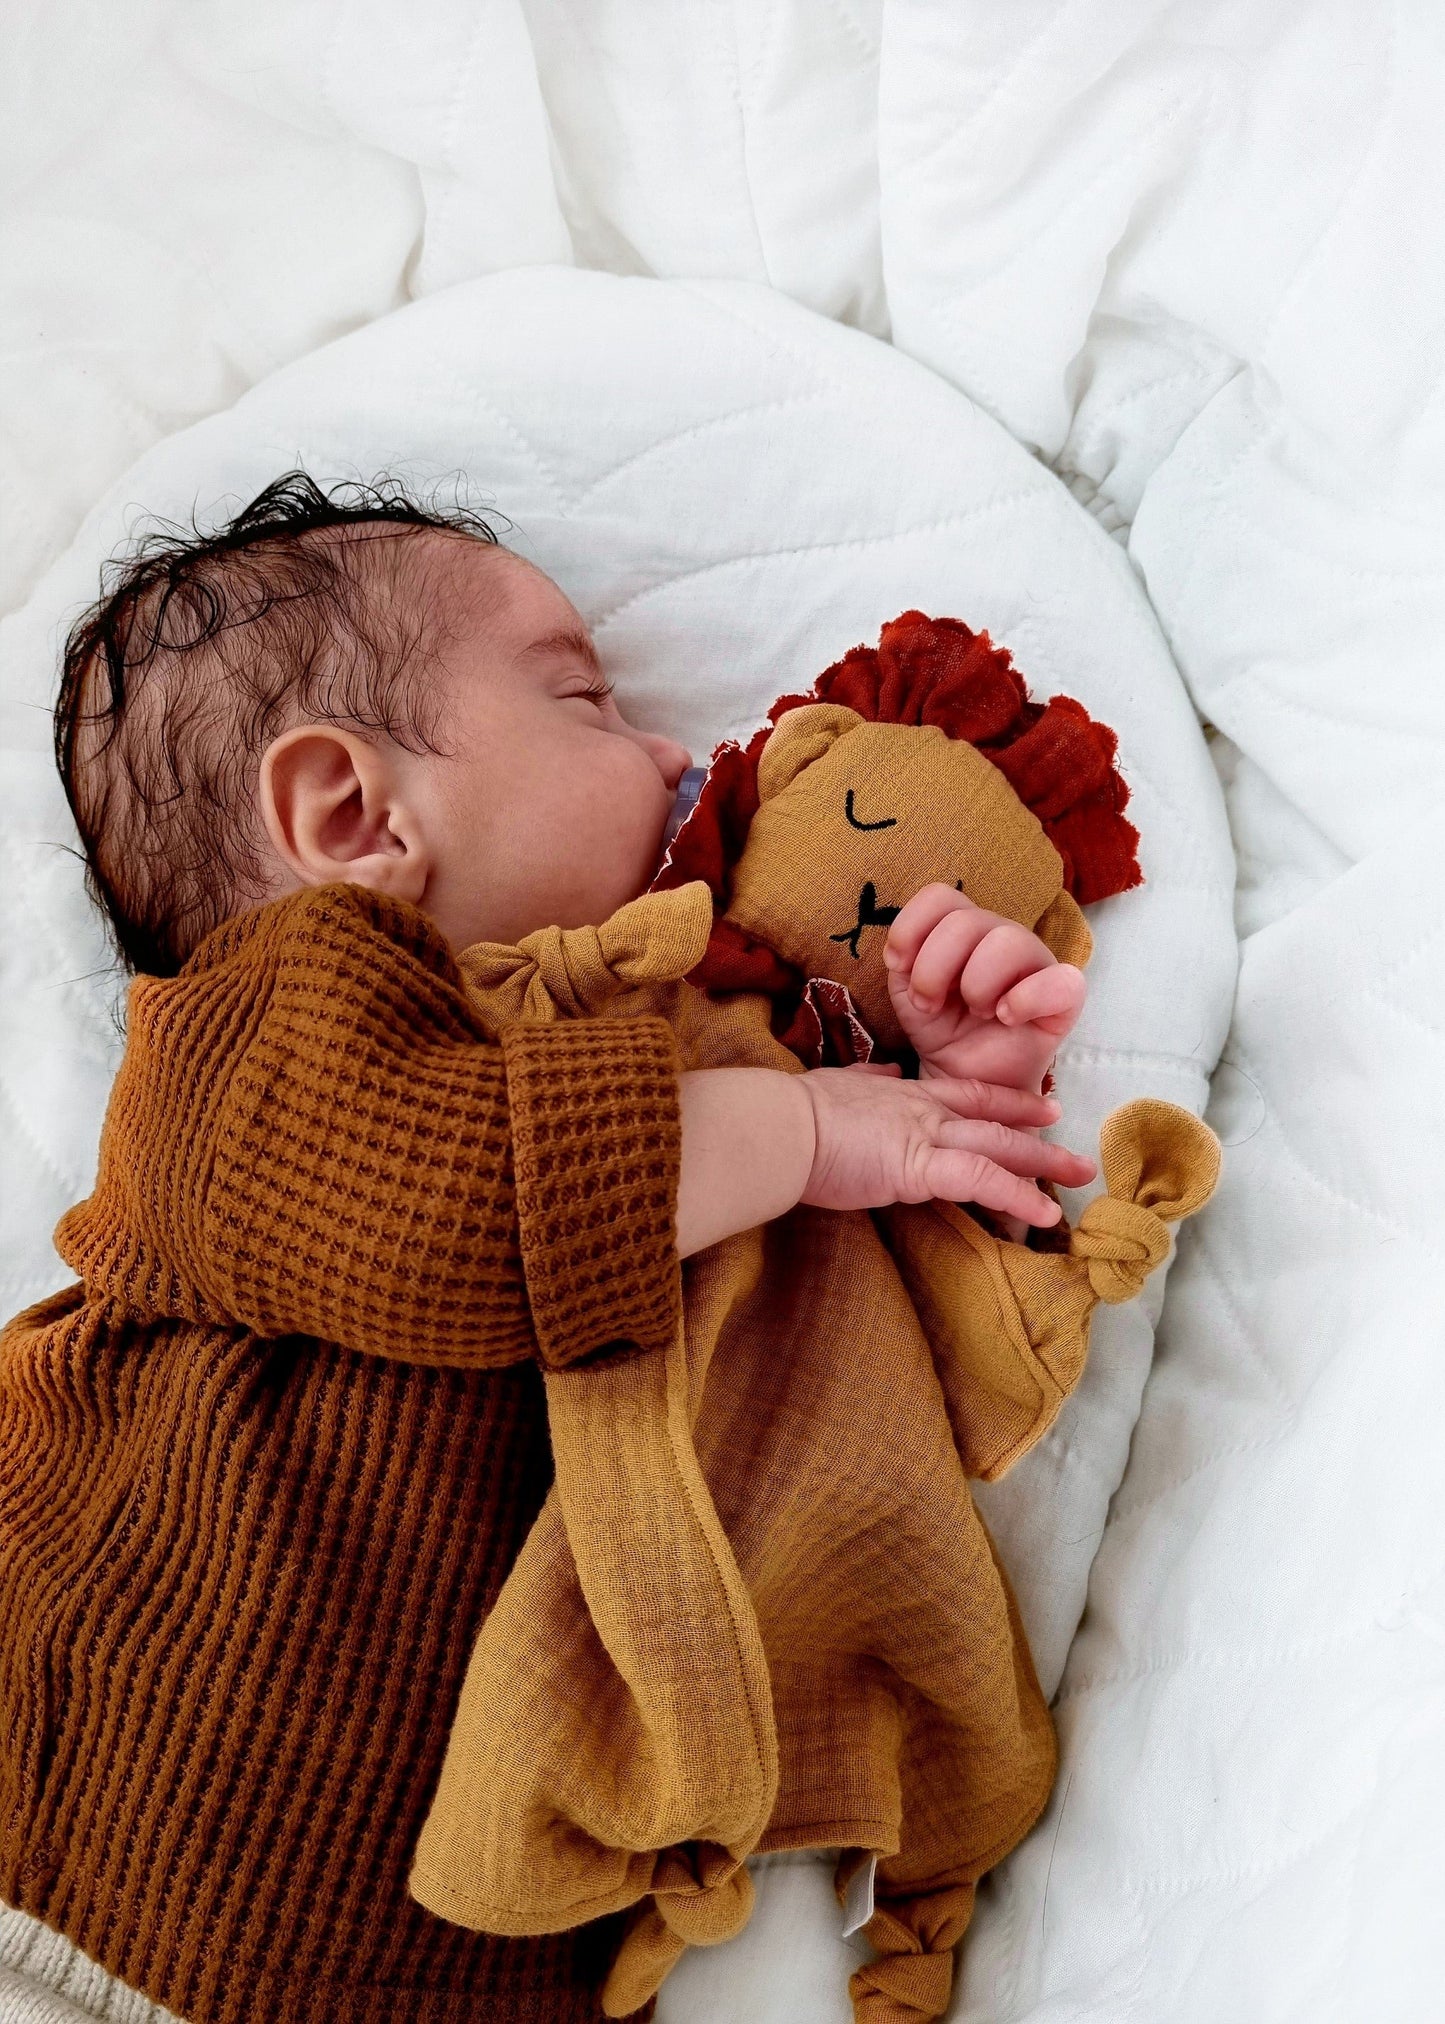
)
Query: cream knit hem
[{"x": 45, "y": 1979}]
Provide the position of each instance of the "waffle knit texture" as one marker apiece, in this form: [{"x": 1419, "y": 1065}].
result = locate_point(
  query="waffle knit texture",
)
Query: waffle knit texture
[
  {"x": 264, "y": 1469},
  {"x": 759, "y": 1609}
]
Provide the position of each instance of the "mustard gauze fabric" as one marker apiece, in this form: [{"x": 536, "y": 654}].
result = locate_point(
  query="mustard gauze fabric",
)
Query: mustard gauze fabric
[{"x": 759, "y": 1609}]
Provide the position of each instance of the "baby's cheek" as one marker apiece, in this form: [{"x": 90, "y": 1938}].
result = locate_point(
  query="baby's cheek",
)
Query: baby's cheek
[{"x": 633, "y": 806}]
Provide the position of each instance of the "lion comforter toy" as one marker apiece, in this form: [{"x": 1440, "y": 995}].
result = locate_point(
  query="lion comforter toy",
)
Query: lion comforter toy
[{"x": 759, "y": 1609}]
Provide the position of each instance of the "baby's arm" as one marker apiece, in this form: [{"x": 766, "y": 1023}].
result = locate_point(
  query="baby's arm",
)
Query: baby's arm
[
  {"x": 757, "y": 1141},
  {"x": 445, "y": 1200}
]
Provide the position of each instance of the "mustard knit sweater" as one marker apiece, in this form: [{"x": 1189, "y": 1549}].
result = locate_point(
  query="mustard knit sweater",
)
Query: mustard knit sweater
[{"x": 265, "y": 1468}]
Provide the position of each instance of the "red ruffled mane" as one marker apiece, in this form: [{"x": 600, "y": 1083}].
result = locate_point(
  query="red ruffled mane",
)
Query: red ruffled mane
[{"x": 1057, "y": 758}]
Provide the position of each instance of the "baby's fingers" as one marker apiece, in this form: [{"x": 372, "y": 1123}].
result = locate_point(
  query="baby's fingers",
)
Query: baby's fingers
[
  {"x": 949, "y": 952},
  {"x": 1002, "y": 960},
  {"x": 1020, "y": 1152},
  {"x": 917, "y": 920},
  {"x": 1051, "y": 998},
  {"x": 970, "y": 1177},
  {"x": 995, "y": 1102}
]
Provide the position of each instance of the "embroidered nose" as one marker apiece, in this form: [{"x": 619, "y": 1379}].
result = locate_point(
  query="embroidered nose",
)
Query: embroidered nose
[{"x": 870, "y": 915}]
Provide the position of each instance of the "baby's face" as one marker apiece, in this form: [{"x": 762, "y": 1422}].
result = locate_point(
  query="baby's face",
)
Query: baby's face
[{"x": 550, "y": 808}]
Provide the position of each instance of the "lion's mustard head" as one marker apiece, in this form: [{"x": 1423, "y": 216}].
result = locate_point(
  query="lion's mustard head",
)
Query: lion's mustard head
[{"x": 923, "y": 760}]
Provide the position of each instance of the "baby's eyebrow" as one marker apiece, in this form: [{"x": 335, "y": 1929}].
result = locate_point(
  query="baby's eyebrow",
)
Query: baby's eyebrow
[{"x": 566, "y": 640}]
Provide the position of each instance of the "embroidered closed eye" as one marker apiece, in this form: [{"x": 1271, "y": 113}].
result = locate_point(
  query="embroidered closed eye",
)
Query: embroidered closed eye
[{"x": 888, "y": 822}]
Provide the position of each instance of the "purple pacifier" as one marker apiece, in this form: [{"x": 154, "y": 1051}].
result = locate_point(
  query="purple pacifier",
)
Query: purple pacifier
[{"x": 688, "y": 789}]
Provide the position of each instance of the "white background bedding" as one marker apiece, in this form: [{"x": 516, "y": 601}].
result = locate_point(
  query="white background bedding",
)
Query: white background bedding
[{"x": 1189, "y": 256}]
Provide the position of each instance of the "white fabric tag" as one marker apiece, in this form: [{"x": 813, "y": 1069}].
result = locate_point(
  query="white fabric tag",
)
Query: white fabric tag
[{"x": 858, "y": 1898}]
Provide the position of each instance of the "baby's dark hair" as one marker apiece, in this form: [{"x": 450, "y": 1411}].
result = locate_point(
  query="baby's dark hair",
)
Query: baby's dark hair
[{"x": 205, "y": 646}]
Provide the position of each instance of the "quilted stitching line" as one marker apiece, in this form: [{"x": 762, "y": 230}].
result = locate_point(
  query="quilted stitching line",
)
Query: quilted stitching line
[
  {"x": 1143, "y": 1505},
  {"x": 1134, "y": 1891},
  {"x": 771, "y": 23},
  {"x": 1359, "y": 1631},
  {"x": 1261, "y": 430},
  {"x": 1335, "y": 570},
  {"x": 1001, "y": 503},
  {"x": 1164, "y": 807},
  {"x": 1348, "y": 195},
  {"x": 694, "y": 433},
  {"x": 1379, "y": 993},
  {"x": 468, "y": 391},
  {"x": 1187, "y": 1065},
  {"x": 739, "y": 101},
  {"x": 1331, "y": 1190},
  {"x": 71, "y": 1189},
  {"x": 1125, "y": 1510},
  {"x": 1028, "y": 249},
  {"x": 1079, "y": 441},
  {"x": 524, "y": 443},
  {"x": 1379, "y": 988},
  {"x": 712, "y": 293},
  {"x": 465, "y": 74},
  {"x": 1138, "y": 776},
  {"x": 1246, "y": 1660},
  {"x": 1412, "y": 1020},
  {"x": 1003, "y": 1997},
  {"x": 1351, "y": 1893},
  {"x": 441, "y": 195},
  {"x": 47, "y": 936},
  {"x": 867, "y": 46},
  {"x": 1196, "y": 371},
  {"x": 286, "y": 449},
  {"x": 1006, "y": 75},
  {"x": 1201, "y": 1235},
  {"x": 1185, "y": 1884}
]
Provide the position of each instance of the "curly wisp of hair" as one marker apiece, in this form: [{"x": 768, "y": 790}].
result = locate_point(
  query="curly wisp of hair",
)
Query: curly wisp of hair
[{"x": 203, "y": 646}]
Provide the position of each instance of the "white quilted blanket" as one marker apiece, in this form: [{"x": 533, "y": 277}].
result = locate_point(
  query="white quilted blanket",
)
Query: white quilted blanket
[{"x": 1189, "y": 256}]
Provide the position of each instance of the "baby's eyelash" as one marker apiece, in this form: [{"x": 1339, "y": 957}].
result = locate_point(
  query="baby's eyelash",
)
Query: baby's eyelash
[{"x": 597, "y": 691}]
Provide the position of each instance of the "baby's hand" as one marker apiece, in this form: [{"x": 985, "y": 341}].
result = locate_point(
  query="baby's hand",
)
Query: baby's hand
[
  {"x": 976, "y": 994},
  {"x": 756, "y": 1141},
  {"x": 879, "y": 1139}
]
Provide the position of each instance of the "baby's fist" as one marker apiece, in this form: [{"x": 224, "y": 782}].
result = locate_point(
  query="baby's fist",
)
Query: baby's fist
[{"x": 977, "y": 994}]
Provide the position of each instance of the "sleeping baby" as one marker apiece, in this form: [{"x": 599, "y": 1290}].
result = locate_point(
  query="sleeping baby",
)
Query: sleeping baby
[{"x": 424, "y": 1097}]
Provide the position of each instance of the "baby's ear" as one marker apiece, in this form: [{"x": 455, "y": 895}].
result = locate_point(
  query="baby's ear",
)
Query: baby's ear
[
  {"x": 802, "y": 736},
  {"x": 1063, "y": 930}
]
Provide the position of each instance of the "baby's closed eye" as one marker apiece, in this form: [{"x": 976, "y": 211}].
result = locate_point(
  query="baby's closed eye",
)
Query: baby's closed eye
[{"x": 598, "y": 690}]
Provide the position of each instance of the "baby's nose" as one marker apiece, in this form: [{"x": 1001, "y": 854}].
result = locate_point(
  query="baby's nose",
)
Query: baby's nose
[{"x": 671, "y": 759}]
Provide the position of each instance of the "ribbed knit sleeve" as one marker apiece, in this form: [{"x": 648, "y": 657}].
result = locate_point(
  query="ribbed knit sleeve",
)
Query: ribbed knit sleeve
[
  {"x": 310, "y": 1136},
  {"x": 596, "y": 1144}
]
